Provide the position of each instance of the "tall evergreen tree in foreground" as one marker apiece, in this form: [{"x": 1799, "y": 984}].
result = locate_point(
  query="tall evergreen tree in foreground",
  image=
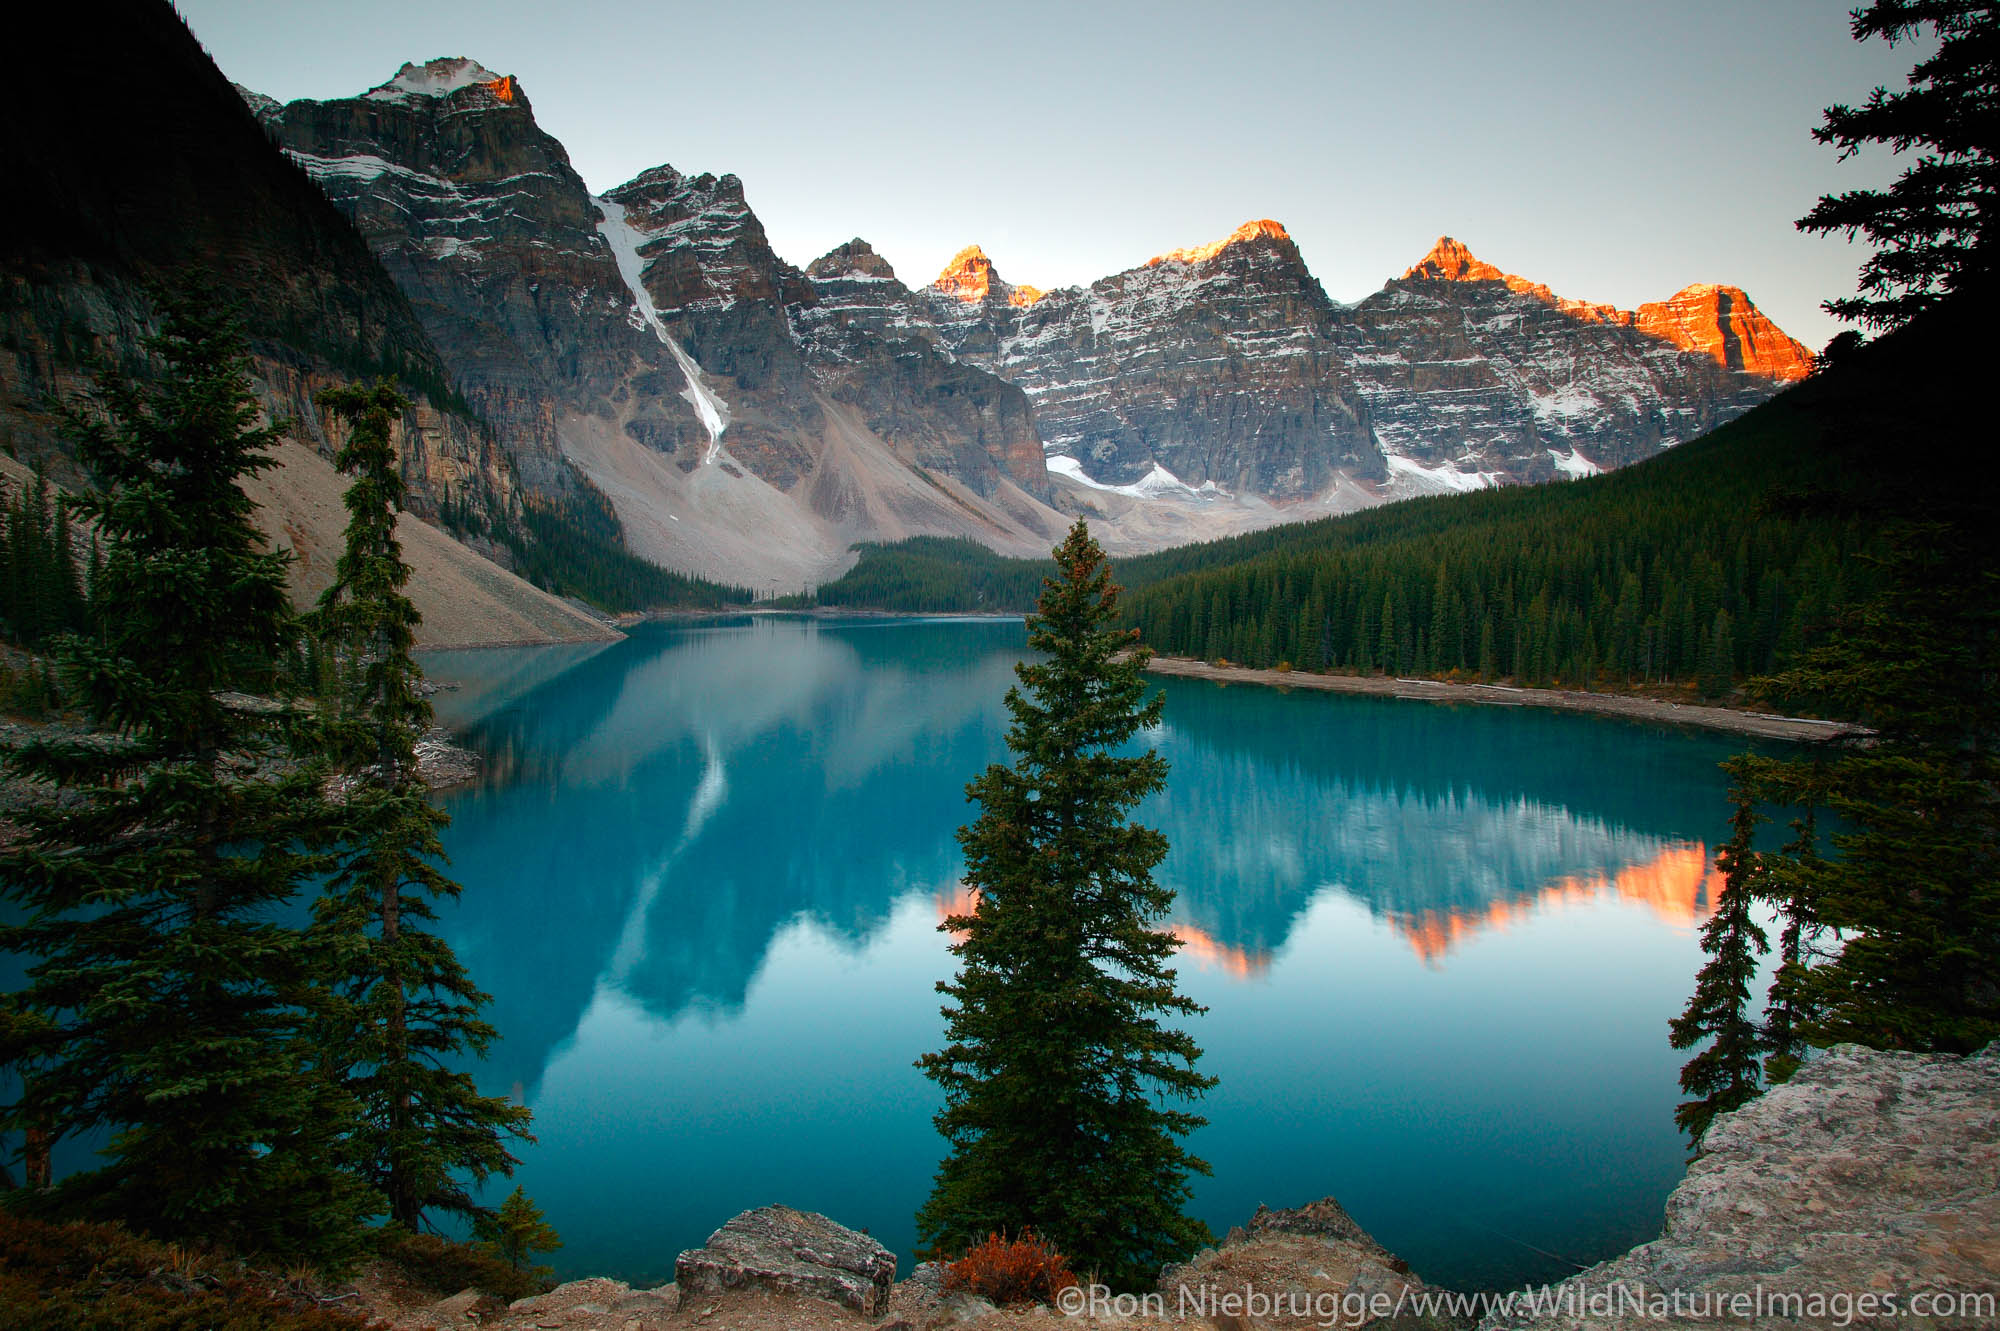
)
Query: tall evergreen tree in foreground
[
  {"x": 1724, "y": 1073},
  {"x": 1058, "y": 1061},
  {"x": 1913, "y": 888},
  {"x": 409, "y": 1008},
  {"x": 165, "y": 1001},
  {"x": 1935, "y": 229},
  {"x": 1891, "y": 938}
]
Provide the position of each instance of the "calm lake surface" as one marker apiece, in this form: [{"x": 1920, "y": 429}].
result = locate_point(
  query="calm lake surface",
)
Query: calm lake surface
[{"x": 1439, "y": 945}]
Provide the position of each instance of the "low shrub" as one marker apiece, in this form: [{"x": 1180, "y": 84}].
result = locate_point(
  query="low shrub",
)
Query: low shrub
[
  {"x": 1022, "y": 1270},
  {"x": 75, "y": 1277},
  {"x": 448, "y": 1267}
]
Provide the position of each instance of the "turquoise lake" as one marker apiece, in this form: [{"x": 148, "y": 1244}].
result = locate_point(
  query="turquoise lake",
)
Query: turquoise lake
[{"x": 704, "y": 869}]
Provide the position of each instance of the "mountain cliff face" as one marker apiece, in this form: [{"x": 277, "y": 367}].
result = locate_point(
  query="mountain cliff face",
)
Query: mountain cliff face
[
  {"x": 482, "y": 222},
  {"x": 651, "y": 339},
  {"x": 1715, "y": 321},
  {"x": 1223, "y": 371},
  {"x": 1204, "y": 368},
  {"x": 1720, "y": 322},
  {"x": 103, "y": 219},
  {"x": 1476, "y": 377}
]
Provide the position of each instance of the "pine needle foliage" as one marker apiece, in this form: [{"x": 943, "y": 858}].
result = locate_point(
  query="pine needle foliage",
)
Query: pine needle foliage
[
  {"x": 1913, "y": 884},
  {"x": 1890, "y": 932},
  {"x": 167, "y": 1002},
  {"x": 1935, "y": 229},
  {"x": 407, "y": 1010},
  {"x": 1789, "y": 882},
  {"x": 516, "y": 1232},
  {"x": 1724, "y": 1074},
  {"x": 1059, "y": 1070},
  {"x": 41, "y": 595}
]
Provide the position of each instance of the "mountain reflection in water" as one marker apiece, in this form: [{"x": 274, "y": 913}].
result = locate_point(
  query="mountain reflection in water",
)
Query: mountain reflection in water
[{"x": 704, "y": 870}]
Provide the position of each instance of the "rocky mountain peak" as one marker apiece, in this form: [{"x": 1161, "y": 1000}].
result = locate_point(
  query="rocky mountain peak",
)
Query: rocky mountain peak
[
  {"x": 1723, "y": 323},
  {"x": 443, "y": 77},
  {"x": 705, "y": 247},
  {"x": 855, "y": 260},
  {"x": 970, "y": 278},
  {"x": 1261, "y": 229},
  {"x": 1450, "y": 261},
  {"x": 261, "y": 106},
  {"x": 1711, "y": 320}
]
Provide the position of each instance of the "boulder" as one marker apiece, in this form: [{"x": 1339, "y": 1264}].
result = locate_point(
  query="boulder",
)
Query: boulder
[
  {"x": 1308, "y": 1266},
  {"x": 958, "y": 1307},
  {"x": 792, "y": 1252}
]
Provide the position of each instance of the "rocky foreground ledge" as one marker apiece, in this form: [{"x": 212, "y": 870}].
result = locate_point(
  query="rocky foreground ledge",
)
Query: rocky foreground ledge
[{"x": 1863, "y": 1193}]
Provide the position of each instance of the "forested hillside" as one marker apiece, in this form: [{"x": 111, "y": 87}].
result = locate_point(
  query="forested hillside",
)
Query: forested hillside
[
  {"x": 1696, "y": 571},
  {"x": 1717, "y": 560}
]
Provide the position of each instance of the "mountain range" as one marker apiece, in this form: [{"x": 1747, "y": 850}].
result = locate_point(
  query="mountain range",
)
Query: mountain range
[
  {"x": 644, "y": 358},
  {"x": 774, "y": 415}
]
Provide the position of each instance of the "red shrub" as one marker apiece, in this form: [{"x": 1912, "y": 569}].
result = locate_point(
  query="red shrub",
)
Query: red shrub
[{"x": 1023, "y": 1270}]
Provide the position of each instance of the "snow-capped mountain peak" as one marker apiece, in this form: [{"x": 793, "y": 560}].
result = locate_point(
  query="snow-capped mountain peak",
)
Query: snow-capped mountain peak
[{"x": 441, "y": 78}]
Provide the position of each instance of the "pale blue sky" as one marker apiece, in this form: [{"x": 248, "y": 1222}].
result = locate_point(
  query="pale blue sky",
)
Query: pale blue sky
[{"x": 1616, "y": 151}]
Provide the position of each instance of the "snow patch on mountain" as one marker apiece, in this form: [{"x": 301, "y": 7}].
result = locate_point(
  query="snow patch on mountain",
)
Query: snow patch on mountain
[
  {"x": 1409, "y": 476},
  {"x": 624, "y": 241},
  {"x": 1159, "y": 483},
  {"x": 1574, "y": 463},
  {"x": 433, "y": 78}
]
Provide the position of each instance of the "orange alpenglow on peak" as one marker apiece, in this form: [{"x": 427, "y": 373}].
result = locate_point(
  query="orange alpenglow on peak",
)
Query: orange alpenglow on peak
[
  {"x": 1200, "y": 253},
  {"x": 502, "y": 87},
  {"x": 1722, "y": 323},
  {"x": 1449, "y": 261},
  {"x": 1719, "y": 322},
  {"x": 969, "y": 277},
  {"x": 1452, "y": 262}
]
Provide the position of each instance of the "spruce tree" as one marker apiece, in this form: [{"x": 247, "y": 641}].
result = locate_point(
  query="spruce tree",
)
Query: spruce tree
[
  {"x": 410, "y": 1010},
  {"x": 1724, "y": 1073},
  {"x": 1914, "y": 886},
  {"x": 1935, "y": 229},
  {"x": 1790, "y": 882},
  {"x": 516, "y": 1232},
  {"x": 40, "y": 594},
  {"x": 1718, "y": 660},
  {"x": 167, "y": 999},
  {"x": 1058, "y": 1065}
]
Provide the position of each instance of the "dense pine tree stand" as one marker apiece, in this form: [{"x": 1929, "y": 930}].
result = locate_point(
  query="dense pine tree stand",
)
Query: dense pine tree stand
[
  {"x": 1913, "y": 881},
  {"x": 407, "y": 1010},
  {"x": 1058, "y": 1071},
  {"x": 166, "y": 1002},
  {"x": 41, "y": 596}
]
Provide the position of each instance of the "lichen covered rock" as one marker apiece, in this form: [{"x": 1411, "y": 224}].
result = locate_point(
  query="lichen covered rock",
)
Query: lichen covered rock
[
  {"x": 791, "y": 1252},
  {"x": 1855, "y": 1194}
]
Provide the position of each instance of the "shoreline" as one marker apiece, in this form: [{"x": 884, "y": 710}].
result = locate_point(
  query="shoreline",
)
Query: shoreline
[
  {"x": 1760, "y": 725},
  {"x": 627, "y": 619}
]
